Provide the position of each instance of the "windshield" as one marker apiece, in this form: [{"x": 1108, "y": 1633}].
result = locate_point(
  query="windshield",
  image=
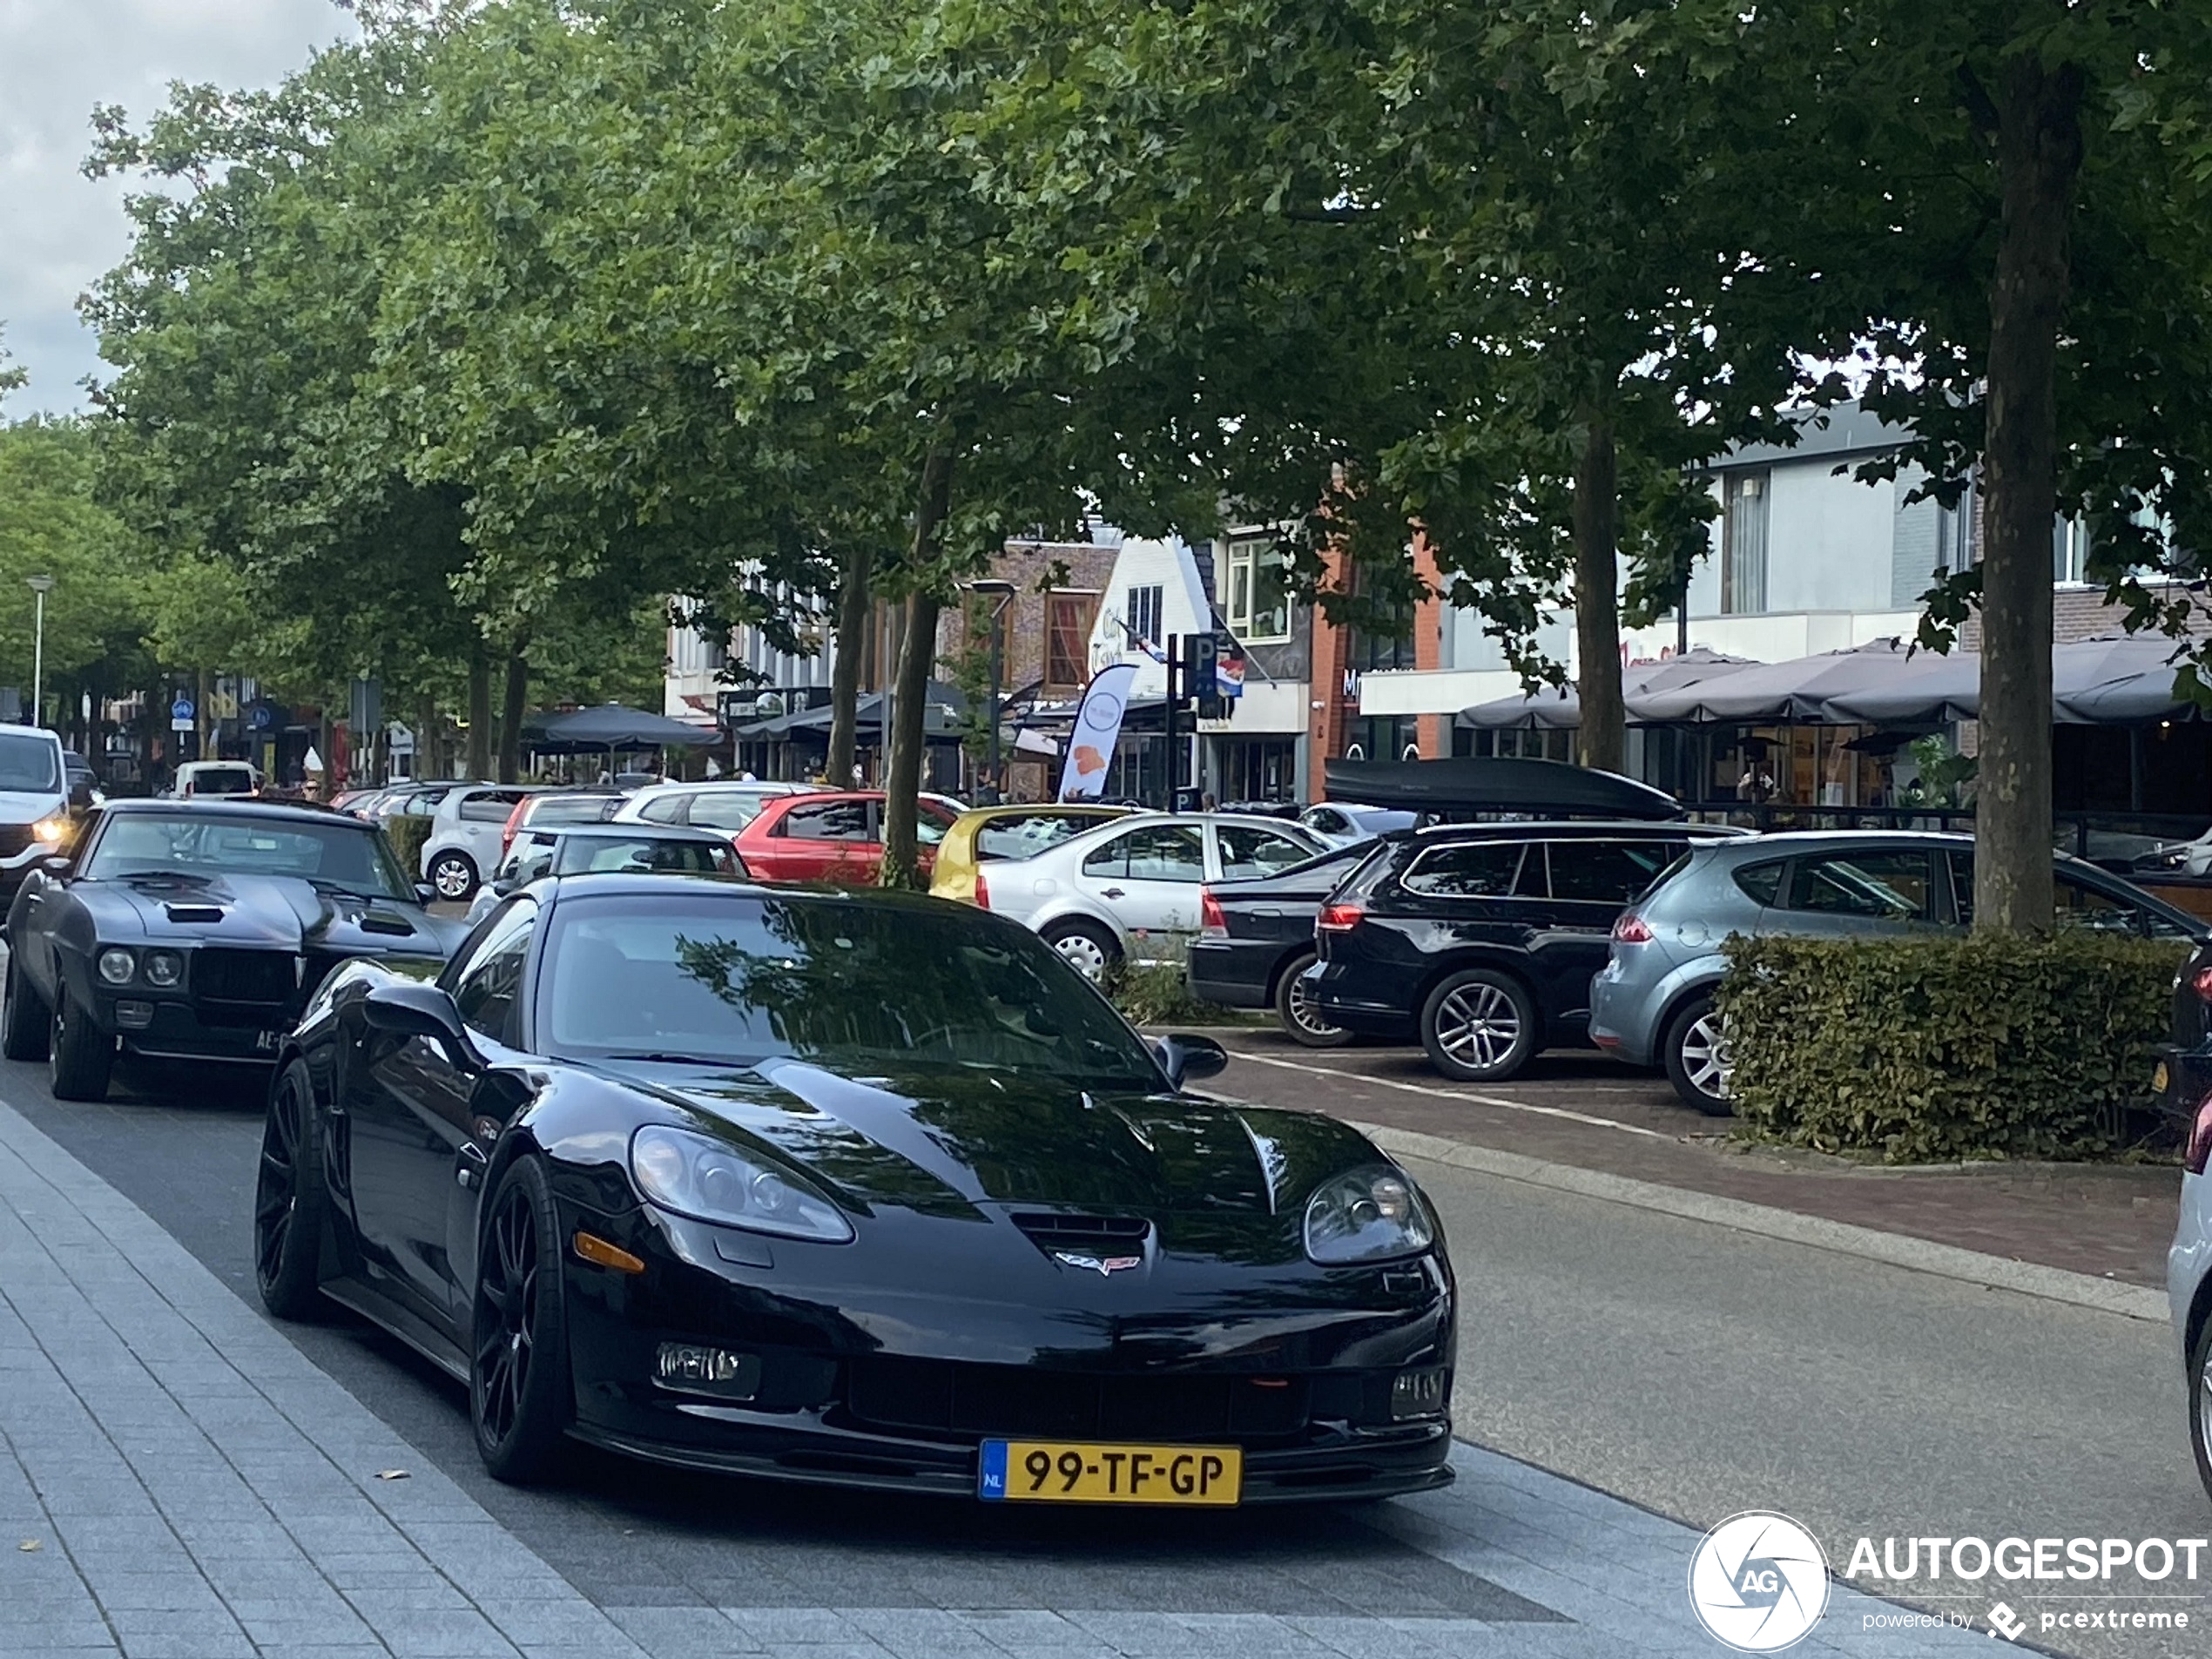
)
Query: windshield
[
  {"x": 220, "y": 780},
  {"x": 1023, "y": 835},
  {"x": 849, "y": 987},
  {"x": 644, "y": 853},
  {"x": 342, "y": 855},
  {"x": 28, "y": 763}
]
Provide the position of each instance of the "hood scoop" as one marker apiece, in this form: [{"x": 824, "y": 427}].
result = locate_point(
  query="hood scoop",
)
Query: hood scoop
[
  {"x": 1090, "y": 1235},
  {"x": 382, "y": 921},
  {"x": 194, "y": 912}
]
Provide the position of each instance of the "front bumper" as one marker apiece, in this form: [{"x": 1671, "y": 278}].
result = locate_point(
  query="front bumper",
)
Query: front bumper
[
  {"x": 899, "y": 1394},
  {"x": 170, "y": 1028}
]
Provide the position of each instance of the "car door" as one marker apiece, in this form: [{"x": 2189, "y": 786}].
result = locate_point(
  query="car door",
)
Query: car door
[
  {"x": 481, "y": 821},
  {"x": 1148, "y": 879},
  {"x": 1589, "y": 882},
  {"x": 1859, "y": 893},
  {"x": 407, "y": 1106},
  {"x": 813, "y": 841}
]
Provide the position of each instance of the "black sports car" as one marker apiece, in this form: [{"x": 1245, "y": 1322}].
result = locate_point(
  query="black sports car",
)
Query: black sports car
[
  {"x": 197, "y": 931},
  {"x": 860, "y": 1187}
]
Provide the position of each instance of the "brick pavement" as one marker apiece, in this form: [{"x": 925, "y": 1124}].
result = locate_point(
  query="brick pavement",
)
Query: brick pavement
[{"x": 178, "y": 1481}]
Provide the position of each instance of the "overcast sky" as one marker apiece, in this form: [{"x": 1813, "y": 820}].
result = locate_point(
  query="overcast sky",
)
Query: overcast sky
[{"x": 59, "y": 231}]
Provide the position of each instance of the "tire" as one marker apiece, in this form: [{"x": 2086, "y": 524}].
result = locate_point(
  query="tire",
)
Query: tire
[
  {"x": 2201, "y": 1404},
  {"x": 1480, "y": 1025},
  {"x": 26, "y": 1023},
  {"x": 290, "y": 1202},
  {"x": 80, "y": 1056},
  {"x": 1089, "y": 948},
  {"x": 453, "y": 874},
  {"x": 521, "y": 1389},
  {"x": 1695, "y": 1052},
  {"x": 1295, "y": 1011}
]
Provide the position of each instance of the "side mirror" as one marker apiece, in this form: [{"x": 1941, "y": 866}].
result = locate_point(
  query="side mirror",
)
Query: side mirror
[
  {"x": 1186, "y": 1058},
  {"x": 425, "y": 893},
  {"x": 411, "y": 1008},
  {"x": 56, "y": 864},
  {"x": 80, "y": 794}
]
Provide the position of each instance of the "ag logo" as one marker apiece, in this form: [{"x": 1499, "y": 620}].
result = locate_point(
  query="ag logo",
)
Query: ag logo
[{"x": 1758, "y": 1583}]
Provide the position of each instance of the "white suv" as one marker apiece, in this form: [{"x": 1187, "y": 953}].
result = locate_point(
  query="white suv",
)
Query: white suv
[{"x": 465, "y": 835}]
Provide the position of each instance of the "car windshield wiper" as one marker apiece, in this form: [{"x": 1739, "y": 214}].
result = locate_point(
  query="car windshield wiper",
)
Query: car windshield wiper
[
  {"x": 323, "y": 884},
  {"x": 660, "y": 1059}
]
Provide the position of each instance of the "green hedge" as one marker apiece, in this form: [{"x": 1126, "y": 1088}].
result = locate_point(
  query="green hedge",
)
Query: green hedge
[
  {"x": 408, "y": 836},
  {"x": 1932, "y": 1049}
]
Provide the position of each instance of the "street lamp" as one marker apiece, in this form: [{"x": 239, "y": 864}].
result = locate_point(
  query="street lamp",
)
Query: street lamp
[
  {"x": 41, "y": 585},
  {"x": 1002, "y": 590}
]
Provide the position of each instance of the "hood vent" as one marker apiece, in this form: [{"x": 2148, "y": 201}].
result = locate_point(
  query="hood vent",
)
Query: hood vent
[
  {"x": 195, "y": 912},
  {"x": 1049, "y": 1230}
]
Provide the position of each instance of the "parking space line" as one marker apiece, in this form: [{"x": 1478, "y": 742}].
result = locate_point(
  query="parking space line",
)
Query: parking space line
[{"x": 1451, "y": 1093}]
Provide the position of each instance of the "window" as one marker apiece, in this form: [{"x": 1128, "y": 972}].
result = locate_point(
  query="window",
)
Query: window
[
  {"x": 1883, "y": 886},
  {"x": 667, "y": 810},
  {"x": 1474, "y": 870},
  {"x": 1613, "y": 872},
  {"x": 488, "y": 805},
  {"x": 1247, "y": 851},
  {"x": 1067, "y": 639},
  {"x": 1744, "y": 522},
  {"x": 836, "y": 821},
  {"x": 2080, "y": 907},
  {"x": 724, "y": 812},
  {"x": 646, "y": 852},
  {"x": 489, "y": 980},
  {"x": 2069, "y": 550},
  {"x": 1161, "y": 853},
  {"x": 1259, "y": 590},
  {"x": 1142, "y": 613},
  {"x": 1013, "y": 835},
  {"x": 1325, "y": 820},
  {"x": 1762, "y": 883}
]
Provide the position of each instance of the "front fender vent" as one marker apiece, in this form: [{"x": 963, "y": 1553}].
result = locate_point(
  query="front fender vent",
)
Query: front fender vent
[
  {"x": 1051, "y": 1230},
  {"x": 189, "y": 912}
]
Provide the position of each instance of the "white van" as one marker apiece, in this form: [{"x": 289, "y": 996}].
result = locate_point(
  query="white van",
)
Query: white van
[{"x": 34, "y": 801}]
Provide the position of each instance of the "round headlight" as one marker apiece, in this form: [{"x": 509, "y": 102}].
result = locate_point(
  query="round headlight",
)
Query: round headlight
[
  {"x": 164, "y": 967},
  {"x": 1368, "y": 1215},
  {"x": 117, "y": 965},
  {"x": 710, "y": 1180}
]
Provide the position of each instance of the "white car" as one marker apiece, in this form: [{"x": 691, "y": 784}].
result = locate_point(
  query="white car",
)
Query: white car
[
  {"x": 1131, "y": 889},
  {"x": 198, "y": 779},
  {"x": 725, "y": 805},
  {"x": 1341, "y": 824},
  {"x": 467, "y": 826}
]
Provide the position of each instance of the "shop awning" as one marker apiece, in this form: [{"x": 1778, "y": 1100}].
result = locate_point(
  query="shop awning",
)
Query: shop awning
[
  {"x": 2112, "y": 679},
  {"x": 612, "y": 726},
  {"x": 1496, "y": 783},
  {"x": 1559, "y": 708},
  {"x": 1799, "y": 689}
]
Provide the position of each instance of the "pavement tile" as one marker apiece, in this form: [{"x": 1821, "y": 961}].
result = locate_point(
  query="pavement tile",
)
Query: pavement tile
[
  {"x": 442, "y": 1633},
  {"x": 778, "y": 1627}
]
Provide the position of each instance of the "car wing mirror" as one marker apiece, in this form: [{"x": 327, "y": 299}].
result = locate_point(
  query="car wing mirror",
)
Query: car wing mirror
[
  {"x": 1186, "y": 1058},
  {"x": 425, "y": 893},
  {"x": 408, "y": 1007},
  {"x": 56, "y": 865}
]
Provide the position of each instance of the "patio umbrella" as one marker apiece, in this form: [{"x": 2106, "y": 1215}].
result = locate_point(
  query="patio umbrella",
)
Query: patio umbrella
[
  {"x": 612, "y": 726},
  {"x": 1937, "y": 689},
  {"x": 1928, "y": 689},
  {"x": 1794, "y": 690},
  {"x": 1559, "y": 708}
]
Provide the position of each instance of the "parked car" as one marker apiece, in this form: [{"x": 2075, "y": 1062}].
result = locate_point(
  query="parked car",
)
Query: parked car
[
  {"x": 416, "y": 797},
  {"x": 582, "y": 849},
  {"x": 829, "y": 835},
  {"x": 1341, "y": 825},
  {"x": 83, "y": 782},
  {"x": 849, "y": 1189},
  {"x": 198, "y": 779},
  {"x": 34, "y": 801},
  {"x": 985, "y": 835},
  {"x": 1479, "y": 940},
  {"x": 1255, "y": 941},
  {"x": 726, "y": 807},
  {"x": 560, "y": 806},
  {"x": 197, "y": 930},
  {"x": 467, "y": 822},
  {"x": 1131, "y": 890},
  {"x": 1652, "y": 1004}
]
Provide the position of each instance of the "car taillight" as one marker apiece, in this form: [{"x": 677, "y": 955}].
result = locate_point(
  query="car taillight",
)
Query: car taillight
[
  {"x": 2200, "y": 982},
  {"x": 513, "y": 822},
  {"x": 1630, "y": 928},
  {"x": 1340, "y": 918},
  {"x": 983, "y": 892},
  {"x": 2199, "y": 1151},
  {"x": 1211, "y": 923}
]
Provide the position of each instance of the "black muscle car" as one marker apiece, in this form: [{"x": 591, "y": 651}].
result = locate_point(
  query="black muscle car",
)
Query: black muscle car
[
  {"x": 858, "y": 1188},
  {"x": 197, "y": 931}
]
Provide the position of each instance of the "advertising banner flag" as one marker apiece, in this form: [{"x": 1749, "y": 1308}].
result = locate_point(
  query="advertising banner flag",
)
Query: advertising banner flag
[{"x": 1098, "y": 728}]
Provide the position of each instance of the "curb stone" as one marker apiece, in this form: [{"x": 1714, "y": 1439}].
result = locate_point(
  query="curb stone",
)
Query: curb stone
[{"x": 1816, "y": 1232}]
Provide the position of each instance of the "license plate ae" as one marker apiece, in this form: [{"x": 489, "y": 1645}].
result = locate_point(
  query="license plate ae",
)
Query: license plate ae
[
  {"x": 1083, "y": 1472},
  {"x": 266, "y": 1042}
]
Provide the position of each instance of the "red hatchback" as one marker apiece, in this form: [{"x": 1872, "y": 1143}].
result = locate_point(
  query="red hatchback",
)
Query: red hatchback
[{"x": 834, "y": 837}]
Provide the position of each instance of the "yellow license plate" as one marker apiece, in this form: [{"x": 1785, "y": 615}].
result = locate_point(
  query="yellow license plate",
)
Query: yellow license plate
[
  {"x": 1079, "y": 1471},
  {"x": 2158, "y": 1079}
]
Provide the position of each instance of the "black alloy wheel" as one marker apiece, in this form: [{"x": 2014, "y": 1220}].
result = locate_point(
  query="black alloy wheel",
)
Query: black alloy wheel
[
  {"x": 519, "y": 1384},
  {"x": 1480, "y": 1025},
  {"x": 25, "y": 1021},
  {"x": 80, "y": 1056},
  {"x": 1299, "y": 1014},
  {"x": 289, "y": 1200}
]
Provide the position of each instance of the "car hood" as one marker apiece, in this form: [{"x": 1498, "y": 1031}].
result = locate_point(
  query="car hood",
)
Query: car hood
[
  {"x": 27, "y": 806},
  {"x": 950, "y": 1138},
  {"x": 269, "y": 911}
]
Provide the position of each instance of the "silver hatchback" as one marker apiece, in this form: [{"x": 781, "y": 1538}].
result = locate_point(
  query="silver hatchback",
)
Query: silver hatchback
[{"x": 1652, "y": 1003}]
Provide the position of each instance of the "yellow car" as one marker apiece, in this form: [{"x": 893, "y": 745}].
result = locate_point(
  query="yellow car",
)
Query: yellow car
[{"x": 988, "y": 834}]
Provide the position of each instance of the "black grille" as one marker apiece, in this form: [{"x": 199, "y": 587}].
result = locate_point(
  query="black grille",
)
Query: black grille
[
  {"x": 955, "y": 1397},
  {"x": 261, "y": 978},
  {"x": 14, "y": 838},
  {"x": 1053, "y": 1232}
]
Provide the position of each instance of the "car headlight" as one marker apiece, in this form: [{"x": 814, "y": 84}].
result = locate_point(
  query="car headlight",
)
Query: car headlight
[
  {"x": 117, "y": 965},
  {"x": 1368, "y": 1215},
  {"x": 164, "y": 967},
  {"x": 709, "y": 1180},
  {"x": 51, "y": 831}
]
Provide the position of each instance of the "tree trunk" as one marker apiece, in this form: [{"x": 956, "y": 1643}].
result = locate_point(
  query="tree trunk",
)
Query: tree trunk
[
  {"x": 2039, "y": 149},
  {"x": 515, "y": 698},
  {"x": 917, "y": 656},
  {"x": 1602, "y": 740},
  {"x": 425, "y": 763},
  {"x": 855, "y": 605},
  {"x": 479, "y": 765}
]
